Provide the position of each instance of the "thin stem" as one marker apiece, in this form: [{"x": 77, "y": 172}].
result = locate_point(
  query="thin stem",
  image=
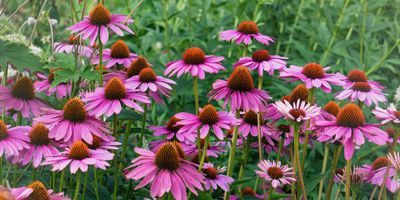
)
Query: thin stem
[
  {"x": 196, "y": 107},
  {"x": 143, "y": 125},
  {"x": 260, "y": 152},
  {"x": 335, "y": 160},
  {"x": 4, "y": 82},
  {"x": 37, "y": 21},
  {"x": 116, "y": 172},
  {"x": 305, "y": 143},
  {"x": 297, "y": 160},
  {"x": 204, "y": 154},
  {"x": 125, "y": 143},
  {"x": 96, "y": 183},
  {"x": 100, "y": 61},
  {"x": 61, "y": 186},
  {"x": 231, "y": 160},
  {"x": 348, "y": 172},
  {"x": 373, "y": 193},
  {"x": 362, "y": 34},
  {"x": 1, "y": 167},
  {"x": 293, "y": 187},
  {"x": 324, "y": 163},
  {"x": 271, "y": 189},
  {"x": 14, "y": 13},
  {"x": 166, "y": 24},
  {"x": 245, "y": 155},
  {"x": 78, "y": 185},
  {"x": 52, "y": 39},
  {"x": 84, "y": 186},
  {"x": 375, "y": 67},
  {"x": 279, "y": 150},
  {"x": 133, "y": 10},
  {"x": 296, "y": 19}
]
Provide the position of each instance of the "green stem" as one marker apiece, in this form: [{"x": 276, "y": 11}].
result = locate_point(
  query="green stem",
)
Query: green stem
[
  {"x": 231, "y": 160},
  {"x": 348, "y": 173},
  {"x": 362, "y": 34},
  {"x": 324, "y": 163},
  {"x": 125, "y": 143},
  {"x": 297, "y": 160},
  {"x": 61, "y": 186},
  {"x": 143, "y": 125},
  {"x": 4, "y": 82},
  {"x": 245, "y": 155},
  {"x": 271, "y": 190},
  {"x": 204, "y": 154},
  {"x": 296, "y": 19},
  {"x": 85, "y": 186},
  {"x": 53, "y": 180},
  {"x": 100, "y": 61},
  {"x": 1, "y": 167},
  {"x": 376, "y": 67},
  {"x": 310, "y": 100},
  {"x": 116, "y": 174},
  {"x": 78, "y": 185},
  {"x": 335, "y": 160},
  {"x": 280, "y": 145},
  {"x": 373, "y": 193},
  {"x": 96, "y": 183},
  {"x": 196, "y": 106}
]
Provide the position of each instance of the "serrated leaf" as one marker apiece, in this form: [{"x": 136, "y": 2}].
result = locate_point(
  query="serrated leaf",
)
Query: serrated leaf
[{"x": 18, "y": 55}]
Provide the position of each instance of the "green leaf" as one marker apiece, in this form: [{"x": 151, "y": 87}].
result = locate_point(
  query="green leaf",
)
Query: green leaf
[
  {"x": 313, "y": 182},
  {"x": 18, "y": 55},
  {"x": 243, "y": 180},
  {"x": 280, "y": 196}
]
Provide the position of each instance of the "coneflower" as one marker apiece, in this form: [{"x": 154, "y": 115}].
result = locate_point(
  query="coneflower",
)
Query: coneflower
[
  {"x": 118, "y": 54},
  {"x": 215, "y": 179},
  {"x": 74, "y": 45},
  {"x": 134, "y": 69},
  {"x": 275, "y": 173},
  {"x": 390, "y": 114},
  {"x": 244, "y": 33},
  {"x": 13, "y": 139},
  {"x": 36, "y": 191},
  {"x": 44, "y": 85},
  {"x": 261, "y": 61},
  {"x": 171, "y": 131}
]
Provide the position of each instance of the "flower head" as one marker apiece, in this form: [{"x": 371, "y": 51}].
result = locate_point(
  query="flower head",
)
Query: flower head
[
  {"x": 118, "y": 54},
  {"x": 44, "y": 85},
  {"x": 171, "y": 131},
  {"x": 389, "y": 114},
  {"x": 239, "y": 91},
  {"x": 298, "y": 111},
  {"x": 195, "y": 62},
  {"x": 276, "y": 173},
  {"x": 214, "y": 177},
  {"x": 244, "y": 33},
  {"x": 74, "y": 45},
  {"x": 363, "y": 92},
  {"x": 248, "y": 125},
  {"x": 36, "y": 191},
  {"x": 133, "y": 70},
  {"x": 166, "y": 170},
  {"x": 262, "y": 61},
  {"x": 13, "y": 139},
  {"x": 97, "y": 24}
]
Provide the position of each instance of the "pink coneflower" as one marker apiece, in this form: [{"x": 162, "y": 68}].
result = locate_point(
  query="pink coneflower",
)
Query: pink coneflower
[
  {"x": 106, "y": 143},
  {"x": 350, "y": 129},
  {"x": 195, "y": 62},
  {"x": 98, "y": 22},
  {"x": 389, "y": 114},
  {"x": 239, "y": 91},
  {"x": 148, "y": 81},
  {"x": 262, "y": 61},
  {"x": 108, "y": 100},
  {"x": 275, "y": 173},
  {"x": 13, "y": 140},
  {"x": 313, "y": 75},
  {"x": 72, "y": 123},
  {"x": 6, "y": 194},
  {"x": 40, "y": 146},
  {"x": 118, "y": 54},
  {"x": 214, "y": 177},
  {"x": 167, "y": 171},
  {"x": 133, "y": 70},
  {"x": 358, "y": 176},
  {"x": 358, "y": 76},
  {"x": 268, "y": 142},
  {"x": 248, "y": 125},
  {"x": 298, "y": 111},
  {"x": 44, "y": 85},
  {"x": 363, "y": 92},
  {"x": 244, "y": 33},
  {"x": 377, "y": 171},
  {"x": 247, "y": 192},
  {"x": 36, "y": 190},
  {"x": 328, "y": 113},
  {"x": 207, "y": 119},
  {"x": 74, "y": 45},
  {"x": 79, "y": 157},
  {"x": 213, "y": 149},
  {"x": 21, "y": 97},
  {"x": 171, "y": 131}
]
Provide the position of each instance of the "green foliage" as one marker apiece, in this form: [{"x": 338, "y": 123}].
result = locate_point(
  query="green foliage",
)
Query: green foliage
[{"x": 19, "y": 56}]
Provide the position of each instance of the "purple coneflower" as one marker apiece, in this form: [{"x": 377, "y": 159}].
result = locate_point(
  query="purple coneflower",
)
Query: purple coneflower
[
  {"x": 108, "y": 100},
  {"x": 13, "y": 140},
  {"x": 248, "y": 125},
  {"x": 208, "y": 118},
  {"x": 36, "y": 190},
  {"x": 363, "y": 92},
  {"x": 214, "y": 177},
  {"x": 79, "y": 157},
  {"x": 118, "y": 54},
  {"x": 268, "y": 142},
  {"x": 358, "y": 76},
  {"x": 72, "y": 123},
  {"x": 106, "y": 143},
  {"x": 298, "y": 111},
  {"x": 239, "y": 91},
  {"x": 195, "y": 62},
  {"x": 98, "y": 22},
  {"x": 389, "y": 114},
  {"x": 171, "y": 131},
  {"x": 133, "y": 70},
  {"x": 313, "y": 75},
  {"x": 262, "y": 61},
  {"x": 166, "y": 170},
  {"x": 377, "y": 171},
  {"x": 74, "y": 45},
  {"x": 244, "y": 33},
  {"x": 358, "y": 176},
  {"x": 350, "y": 129},
  {"x": 148, "y": 81},
  {"x": 275, "y": 173},
  {"x": 44, "y": 85},
  {"x": 213, "y": 148},
  {"x": 21, "y": 97}
]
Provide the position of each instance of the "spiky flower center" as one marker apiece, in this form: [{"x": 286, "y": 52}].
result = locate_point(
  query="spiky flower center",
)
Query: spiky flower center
[
  {"x": 3, "y": 130},
  {"x": 74, "y": 110},
  {"x": 209, "y": 115},
  {"x": 361, "y": 86},
  {"x": 96, "y": 143},
  {"x": 210, "y": 172},
  {"x": 313, "y": 71},
  {"x": 39, "y": 191},
  {"x": 172, "y": 126},
  {"x": 23, "y": 89},
  {"x": 115, "y": 89},
  {"x": 147, "y": 75},
  {"x": 350, "y": 116},
  {"x": 247, "y": 27},
  {"x": 248, "y": 191},
  {"x": 99, "y": 15},
  {"x": 397, "y": 114},
  {"x": 332, "y": 108},
  {"x": 379, "y": 163},
  {"x": 390, "y": 132},
  {"x": 250, "y": 117},
  {"x": 79, "y": 151},
  {"x": 284, "y": 128},
  {"x": 261, "y": 55},
  {"x": 194, "y": 56},
  {"x": 73, "y": 40},
  {"x": 137, "y": 66},
  {"x": 357, "y": 76},
  {"x": 241, "y": 80},
  {"x": 297, "y": 112},
  {"x": 229, "y": 133},
  {"x": 275, "y": 172},
  {"x": 39, "y": 135},
  {"x": 300, "y": 92},
  {"x": 50, "y": 77},
  {"x": 179, "y": 148},
  {"x": 120, "y": 50},
  {"x": 167, "y": 157},
  {"x": 287, "y": 98}
]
